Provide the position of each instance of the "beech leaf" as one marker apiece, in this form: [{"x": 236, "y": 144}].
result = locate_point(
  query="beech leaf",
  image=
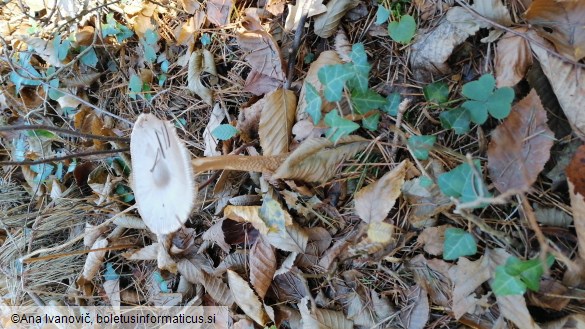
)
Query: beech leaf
[
  {"x": 276, "y": 121},
  {"x": 326, "y": 23},
  {"x": 316, "y": 159},
  {"x": 373, "y": 202},
  {"x": 262, "y": 266},
  {"x": 246, "y": 299},
  {"x": 520, "y": 146}
]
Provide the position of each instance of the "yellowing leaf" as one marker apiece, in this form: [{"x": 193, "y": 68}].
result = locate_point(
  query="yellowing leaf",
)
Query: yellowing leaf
[
  {"x": 316, "y": 159},
  {"x": 194, "y": 78},
  {"x": 262, "y": 266},
  {"x": 246, "y": 214},
  {"x": 513, "y": 58},
  {"x": 380, "y": 232},
  {"x": 276, "y": 121},
  {"x": 520, "y": 146},
  {"x": 246, "y": 299},
  {"x": 326, "y": 24},
  {"x": 373, "y": 202}
]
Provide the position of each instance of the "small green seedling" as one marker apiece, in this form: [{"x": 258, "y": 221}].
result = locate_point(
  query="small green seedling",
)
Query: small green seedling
[
  {"x": 137, "y": 87},
  {"x": 458, "y": 243}
]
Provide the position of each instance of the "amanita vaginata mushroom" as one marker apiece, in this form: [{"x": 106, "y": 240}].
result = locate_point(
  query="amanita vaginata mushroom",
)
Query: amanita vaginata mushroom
[{"x": 162, "y": 175}]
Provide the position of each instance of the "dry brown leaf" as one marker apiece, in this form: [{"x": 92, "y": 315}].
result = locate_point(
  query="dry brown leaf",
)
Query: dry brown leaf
[
  {"x": 380, "y": 232},
  {"x": 275, "y": 7},
  {"x": 467, "y": 276},
  {"x": 576, "y": 180},
  {"x": 94, "y": 259},
  {"x": 328, "y": 57},
  {"x": 215, "y": 287},
  {"x": 316, "y": 159},
  {"x": 149, "y": 252},
  {"x": 418, "y": 314},
  {"x": 215, "y": 119},
  {"x": 294, "y": 238},
  {"x": 80, "y": 80},
  {"x": 343, "y": 46},
  {"x": 439, "y": 287},
  {"x": 194, "y": 77},
  {"x": 218, "y": 11},
  {"x": 566, "y": 81},
  {"x": 247, "y": 214},
  {"x": 573, "y": 321},
  {"x": 276, "y": 121},
  {"x": 263, "y": 53},
  {"x": 129, "y": 221},
  {"x": 262, "y": 266},
  {"x": 562, "y": 23},
  {"x": 260, "y": 84},
  {"x": 428, "y": 55},
  {"x": 520, "y": 146},
  {"x": 246, "y": 299},
  {"x": 215, "y": 235},
  {"x": 323, "y": 319},
  {"x": 112, "y": 290},
  {"x": 237, "y": 261},
  {"x": 249, "y": 119},
  {"x": 373, "y": 202},
  {"x": 433, "y": 239},
  {"x": 45, "y": 49},
  {"x": 326, "y": 24},
  {"x": 494, "y": 10},
  {"x": 513, "y": 58},
  {"x": 315, "y": 7}
]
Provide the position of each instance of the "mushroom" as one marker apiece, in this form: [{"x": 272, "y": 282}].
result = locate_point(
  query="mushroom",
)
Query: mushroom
[{"x": 162, "y": 175}]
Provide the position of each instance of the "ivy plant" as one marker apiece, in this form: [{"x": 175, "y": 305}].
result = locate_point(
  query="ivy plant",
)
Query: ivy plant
[
  {"x": 517, "y": 275},
  {"x": 458, "y": 243},
  {"x": 224, "y": 132},
  {"x": 464, "y": 183}
]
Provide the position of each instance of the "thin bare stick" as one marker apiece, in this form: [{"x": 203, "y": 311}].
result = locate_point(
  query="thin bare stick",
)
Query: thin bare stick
[
  {"x": 61, "y": 158},
  {"x": 65, "y": 131},
  {"x": 401, "y": 109}
]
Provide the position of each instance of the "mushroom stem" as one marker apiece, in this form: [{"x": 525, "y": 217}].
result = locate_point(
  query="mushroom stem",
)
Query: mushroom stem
[{"x": 238, "y": 162}]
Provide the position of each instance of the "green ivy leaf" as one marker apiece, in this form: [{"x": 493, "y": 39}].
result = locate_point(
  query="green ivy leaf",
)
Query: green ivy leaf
[
  {"x": 21, "y": 76},
  {"x": 372, "y": 121},
  {"x": 382, "y": 15},
  {"x": 134, "y": 86},
  {"x": 421, "y": 145},
  {"x": 124, "y": 33},
  {"x": 392, "y": 103},
  {"x": 162, "y": 283},
  {"x": 339, "y": 126},
  {"x": 436, "y": 92},
  {"x": 61, "y": 47},
  {"x": 224, "y": 132},
  {"x": 313, "y": 102},
  {"x": 457, "y": 119},
  {"x": 54, "y": 92},
  {"x": 505, "y": 284},
  {"x": 125, "y": 193},
  {"x": 43, "y": 170},
  {"x": 89, "y": 58},
  {"x": 530, "y": 271},
  {"x": 150, "y": 37},
  {"x": 164, "y": 66},
  {"x": 458, "y": 243},
  {"x": 462, "y": 183},
  {"x": 403, "y": 30},
  {"x": 361, "y": 68},
  {"x": 366, "y": 101},
  {"x": 149, "y": 53},
  {"x": 333, "y": 78}
]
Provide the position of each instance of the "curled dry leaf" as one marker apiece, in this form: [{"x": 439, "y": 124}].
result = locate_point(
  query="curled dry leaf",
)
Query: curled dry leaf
[
  {"x": 322, "y": 318},
  {"x": 576, "y": 180},
  {"x": 194, "y": 78},
  {"x": 247, "y": 214},
  {"x": 276, "y": 121},
  {"x": 215, "y": 119},
  {"x": 215, "y": 234},
  {"x": 246, "y": 299},
  {"x": 129, "y": 221},
  {"x": 262, "y": 266},
  {"x": 316, "y": 159},
  {"x": 249, "y": 120},
  {"x": 342, "y": 46},
  {"x": 513, "y": 59},
  {"x": 328, "y": 57},
  {"x": 326, "y": 24},
  {"x": 149, "y": 252},
  {"x": 94, "y": 259},
  {"x": 561, "y": 22},
  {"x": 373, "y": 202},
  {"x": 520, "y": 146},
  {"x": 218, "y": 11},
  {"x": 566, "y": 81},
  {"x": 215, "y": 287}
]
